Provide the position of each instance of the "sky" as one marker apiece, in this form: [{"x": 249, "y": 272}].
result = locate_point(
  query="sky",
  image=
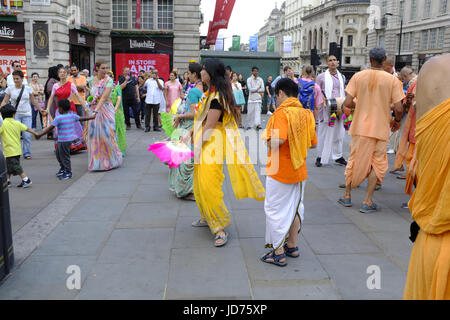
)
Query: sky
[{"x": 247, "y": 18}]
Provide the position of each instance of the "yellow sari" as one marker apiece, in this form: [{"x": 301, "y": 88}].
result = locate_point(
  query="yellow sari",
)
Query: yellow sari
[{"x": 225, "y": 143}]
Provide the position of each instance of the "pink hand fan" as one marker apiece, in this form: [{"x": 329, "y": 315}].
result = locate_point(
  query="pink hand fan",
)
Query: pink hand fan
[{"x": 172, "y": 153}]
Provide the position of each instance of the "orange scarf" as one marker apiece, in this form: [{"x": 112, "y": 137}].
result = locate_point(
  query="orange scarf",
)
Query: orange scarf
[
  {"x": 301, "y": 129},
  {"x": 430, "y": 202}
]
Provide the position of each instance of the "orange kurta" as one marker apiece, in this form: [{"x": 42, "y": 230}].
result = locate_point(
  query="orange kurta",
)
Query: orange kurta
[{"x": 429, "y": 266}]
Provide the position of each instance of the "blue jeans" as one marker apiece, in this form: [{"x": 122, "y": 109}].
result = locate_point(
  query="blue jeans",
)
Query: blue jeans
[
  {"x": 34, "y": 114},
  {"x": 26, "y": 142}
]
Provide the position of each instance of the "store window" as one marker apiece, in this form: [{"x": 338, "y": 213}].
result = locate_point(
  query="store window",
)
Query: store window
[{"x": 155, "y": 14}]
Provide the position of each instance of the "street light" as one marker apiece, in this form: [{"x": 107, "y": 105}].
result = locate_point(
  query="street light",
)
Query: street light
[{"x": 401, "y": 30}]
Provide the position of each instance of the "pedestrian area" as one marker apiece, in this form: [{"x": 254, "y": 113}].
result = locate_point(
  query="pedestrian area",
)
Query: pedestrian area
[{"x": 132, "y": 239}]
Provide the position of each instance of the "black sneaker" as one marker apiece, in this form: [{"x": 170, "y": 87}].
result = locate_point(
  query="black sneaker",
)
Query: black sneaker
[
  {"x": 60, "y": 173},
  {"x": 66, "y": 176},
  {"x": 157, "y": 129},
  {"x": 25, "y": 184},
  {"x": 341, "y": 161},
  {"x": 258, "y": 128},
  {"x": 318, "y": 163}
]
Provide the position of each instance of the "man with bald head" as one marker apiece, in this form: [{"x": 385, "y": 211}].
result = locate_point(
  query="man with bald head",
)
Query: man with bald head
[
  {"x": 375, "y": 91},
  {"x": 429, "y": 266},
  {"x": 388, "y": 65}
]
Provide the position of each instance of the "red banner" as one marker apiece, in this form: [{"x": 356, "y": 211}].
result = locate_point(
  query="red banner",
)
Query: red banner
[
  {"x": 143, "y": 61},
  {"x": 138, "y": 14},
  {"x": 222, "y": 15},
  {"x": 10, "y": 53},
  {"x": 212, "y": 35}
]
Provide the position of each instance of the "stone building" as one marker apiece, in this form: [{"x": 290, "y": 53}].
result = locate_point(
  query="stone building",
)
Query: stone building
[
  {"x": 274, "y": 26},
  {"x": 47, "y": 33},
  {"x": 331, "y": 21},
  {"x": 425, "y": 32}
]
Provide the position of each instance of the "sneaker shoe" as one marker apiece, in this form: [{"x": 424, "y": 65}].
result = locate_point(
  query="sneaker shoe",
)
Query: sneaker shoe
[
  {"x": 147, "y": 130},
  {"x": 405, "y": 205},
  {"x": 25, "y": 184},
  {"x": 66, "y": 176},
  {"x": 9, "y": 183},
  {"x": 377, "y": 187},
  {"x": 346, "y": 202},
  {"x": 258, "y": 128},
  {"x": 368, "y": 209},
  {"x": 157, "y": 129},
  {"x": 318, "y": 162},
  {"x": 341, "y": 161},
  {"x": 60, "y": 173},
  {"x": 390, "y": 151}
]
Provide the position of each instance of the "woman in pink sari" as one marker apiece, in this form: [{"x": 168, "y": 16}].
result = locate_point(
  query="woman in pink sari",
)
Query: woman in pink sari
[
  {"x": 64, "y": 90},
  {"x": 174, "y": 90}
]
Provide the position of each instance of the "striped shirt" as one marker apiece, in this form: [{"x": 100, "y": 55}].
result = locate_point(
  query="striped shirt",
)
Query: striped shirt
[{"x": 66, "y": 126}]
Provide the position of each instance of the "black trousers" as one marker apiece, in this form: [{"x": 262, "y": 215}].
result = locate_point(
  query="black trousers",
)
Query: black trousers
[
  {"x": 63, "y": 155},
  {"x": 80, "y": 110},
  {"x": 149, "y": 109},
  {"x": 127, "y": 104}
]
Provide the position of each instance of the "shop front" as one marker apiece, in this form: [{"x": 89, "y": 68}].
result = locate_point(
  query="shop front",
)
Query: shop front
[
  {"x": 82, "y": 49},
  {"x": 12, "y": 46},
  {"x": 143, "y": 52},
  {"x": 403, "y": 61}
]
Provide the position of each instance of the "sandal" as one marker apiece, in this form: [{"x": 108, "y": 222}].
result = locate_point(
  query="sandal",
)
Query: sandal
[
  {"x": 276, "y": 259},
  {"x": 224, "y": 238},
  {"x": 199, "y": 223},
  {"x": 290, "y": 251}
]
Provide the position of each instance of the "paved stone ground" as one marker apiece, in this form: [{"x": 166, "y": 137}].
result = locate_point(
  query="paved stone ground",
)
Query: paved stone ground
[{"x": 132, "y": 239}]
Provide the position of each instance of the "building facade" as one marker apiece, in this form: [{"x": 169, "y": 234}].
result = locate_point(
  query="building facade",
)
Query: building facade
[
  {"x": 47, "y": 33},
  {"x": 274, "y": 26},
  {"x": 425, "y": 29},
  {"x": 332, "y": 21}
]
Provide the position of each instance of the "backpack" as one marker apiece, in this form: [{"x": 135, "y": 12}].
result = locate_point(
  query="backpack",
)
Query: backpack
[{"x": 306, "y": 94}]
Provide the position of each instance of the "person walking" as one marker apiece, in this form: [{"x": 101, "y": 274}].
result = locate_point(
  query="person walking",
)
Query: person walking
[
  {"x": 289, "y": 134},
  {"x": 310, "y": 94},
  {"x": 216, "y": 117},
  {"x": 173, "y": 91},
  {"x": 121, "y": 131},
  {"x": 80, "y": 82},
  {"x": 256, "y": 88},
  {"x": 238, "y": 97},
  {"x": 331, "y": 135},
  {"x": 130, "y": 94},
  {"x": 270, "y": 96},
  {"x": 153, "y": 100},
  {"x": 142, "y": 95},
  {"x": 101, "y": 130},
  {"x": 375, "y": 91},
  {"x": 22, "y": 99},
  {"x": 38, "y": 93}
]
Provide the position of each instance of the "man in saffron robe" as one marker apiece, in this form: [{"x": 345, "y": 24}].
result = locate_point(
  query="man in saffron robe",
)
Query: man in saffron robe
[{"x": 429, "y": 266}]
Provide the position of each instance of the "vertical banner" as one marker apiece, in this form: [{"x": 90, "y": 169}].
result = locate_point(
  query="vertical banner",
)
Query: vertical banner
[
  {"x": 40, "y": 39},
  {"x": 236, "y": 43},
  {"x": 270, "y": 44},
  {"x": 212, "y": 35},
  {"x": 287, "y": 48},
  {"x": 220, "y": 43},
  {"x": 222, "y": 14},
  {"x": 138, "y": 14},
  {"x": 253, "y": 43}
]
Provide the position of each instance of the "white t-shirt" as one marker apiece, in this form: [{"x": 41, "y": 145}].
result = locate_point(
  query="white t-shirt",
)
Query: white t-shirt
[
  {"x": 24, "y": 107},
  {"x": 10, "y": 81},
  {"x": 154, "y": 95}
]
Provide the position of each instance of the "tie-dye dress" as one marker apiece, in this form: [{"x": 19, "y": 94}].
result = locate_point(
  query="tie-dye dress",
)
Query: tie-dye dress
[{"x": 103, "y": 151}]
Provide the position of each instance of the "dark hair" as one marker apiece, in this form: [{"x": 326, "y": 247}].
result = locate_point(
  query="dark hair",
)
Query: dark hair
[
  {"x": 18, "y": 73},
  {"x": 216, "y": 70},
  {"x": 74, "y": 65},
  {"x": 34, "y": 73},
  {"x": 14, "y": 62},
  {"x": 255, "y": 68},
  {"x": 228, "y": 68},
  {"x": 287, "y": 68},
  {"x": 60, "y": 66},
  {"x": 288, "y": 86},
  {"x": 64, "y": 104},
  {"x": 52, "y": 74},
  {"x": 195, "y": 68},
  {"x": 8, "y": 111}
]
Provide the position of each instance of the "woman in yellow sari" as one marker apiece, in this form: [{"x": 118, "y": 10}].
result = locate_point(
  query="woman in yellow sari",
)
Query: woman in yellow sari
[{"x": 216, "y": 139}]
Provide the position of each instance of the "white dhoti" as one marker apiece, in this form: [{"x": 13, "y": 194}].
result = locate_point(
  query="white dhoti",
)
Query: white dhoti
[
  {"x": 283, "y": 202},
  {"x": 254, "y": 113},
  {"x": 330, "y": 141}
]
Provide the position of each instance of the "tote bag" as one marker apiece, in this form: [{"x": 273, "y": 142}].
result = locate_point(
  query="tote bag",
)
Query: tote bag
[{"x": 239, "y": 97}]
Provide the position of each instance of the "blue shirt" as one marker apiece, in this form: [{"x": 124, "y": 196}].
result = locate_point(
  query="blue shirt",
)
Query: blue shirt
[{"x": 66, "y": 126}]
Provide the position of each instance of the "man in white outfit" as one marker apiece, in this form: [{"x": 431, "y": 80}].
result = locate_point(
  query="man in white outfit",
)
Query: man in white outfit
[
  {"x": 331, "y": 139},
  {"x": 255, "y": 87}
]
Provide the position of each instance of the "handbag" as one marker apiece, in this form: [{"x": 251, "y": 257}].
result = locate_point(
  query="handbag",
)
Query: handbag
[{"x": 239, "y": 97}]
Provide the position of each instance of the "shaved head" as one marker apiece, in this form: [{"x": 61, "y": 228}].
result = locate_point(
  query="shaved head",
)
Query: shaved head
[
  {"x": 430, "y": 92},
  {"x": 388, "y": 65}
]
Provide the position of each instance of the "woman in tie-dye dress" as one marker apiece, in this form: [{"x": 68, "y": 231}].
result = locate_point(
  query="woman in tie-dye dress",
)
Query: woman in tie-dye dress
[{"x": 103, "y": 151}]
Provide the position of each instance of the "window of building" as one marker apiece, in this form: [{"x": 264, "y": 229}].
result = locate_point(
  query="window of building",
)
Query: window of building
[
  {"x": 165, "y": 14},
  {"x": 411, "y": 41},
  {"x": 351, "y": 21},
  {"x": 441, "y": 37},
  {"x": 350, "y": 41},
  {"x": 443, "y": 6},
  {"x": 146, "y": 14},
  {"x": 120, "y": 14},
  {"x": 405, "y": 41},
  {"x": 348, "y": 60},
  {"x": 413, "y": 9},
  {"x": 427, "y": 8},
  {"x": 424, "y": 45},
  {"x": 381, "y": 41},
  {"x": 433, "y": 38}
]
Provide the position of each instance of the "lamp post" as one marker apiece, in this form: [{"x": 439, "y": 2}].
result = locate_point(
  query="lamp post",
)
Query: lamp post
[{"x": 401, "y": 30}]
